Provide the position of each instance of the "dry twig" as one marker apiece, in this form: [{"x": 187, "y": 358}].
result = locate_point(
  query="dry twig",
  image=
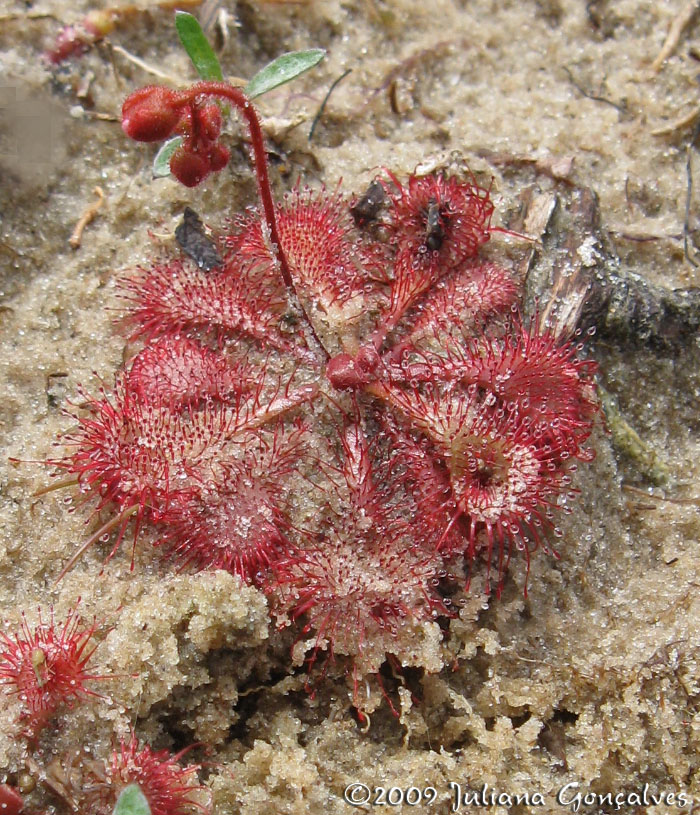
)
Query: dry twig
[
  {"x": 678, "y": 124},
  {"x": 678, "y": 26},
  {"x": 150, "y": 69},
  {"x": 594, "y": 97},
  {"x": 323, "y": 104},
  {"x": 87, "y": 216},
  {"x": 23, "y": 16},
  {"x": 689, "y": 191},
  {"x": 411, "y": 62},
  {"x": 663, "y": 499}
]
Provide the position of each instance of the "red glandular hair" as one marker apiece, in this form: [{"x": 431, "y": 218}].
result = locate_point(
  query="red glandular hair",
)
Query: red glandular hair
[
  {"x": 436, "y": 224},
  {"x": 236, "y": 522},
  {"x": 315, "y": 234},
  {"x": 438, "y": 220},
  {"x": 503, "y": 425},
  {"x": 180, "y": 372},
  {"x": 138, "y": 454},
  {"x": 362, "y": 577},
  {"x": 538, "y": 377},
  {"x": 462, "y": 304},
  {"x": 353, "y": 592},
  {"x": 175, "y": 297}
]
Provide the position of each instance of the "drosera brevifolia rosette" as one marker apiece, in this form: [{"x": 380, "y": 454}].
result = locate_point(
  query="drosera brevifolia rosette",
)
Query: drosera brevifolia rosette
[{"x": 347, "y": 410}]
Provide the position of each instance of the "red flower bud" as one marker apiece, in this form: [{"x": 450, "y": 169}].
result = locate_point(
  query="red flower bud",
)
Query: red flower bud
[
  {"x": 150, "y": 114},
  {"x": 218, "y": 157},
  {"x": 11, "y": 802},
  {"x": 189, "y": 168},
  {"x": 210, "y": 121}
]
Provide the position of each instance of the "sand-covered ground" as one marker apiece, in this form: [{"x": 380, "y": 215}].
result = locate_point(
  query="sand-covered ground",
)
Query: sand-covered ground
[{"x": 594, "y": 677}]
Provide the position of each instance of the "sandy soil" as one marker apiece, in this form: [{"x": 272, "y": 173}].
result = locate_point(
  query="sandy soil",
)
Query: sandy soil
[{"x": 593, "y": 678}]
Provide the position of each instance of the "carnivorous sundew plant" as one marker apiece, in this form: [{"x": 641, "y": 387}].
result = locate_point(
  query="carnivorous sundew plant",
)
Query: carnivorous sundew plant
[
  {"x": 47, "y": 667},
  {"x": 344, "y": 408}
]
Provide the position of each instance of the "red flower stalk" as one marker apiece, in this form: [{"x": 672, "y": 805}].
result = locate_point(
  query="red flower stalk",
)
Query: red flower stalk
[
  {"x": 47, "y": 666},
  {"x": 169, "y": 788},
  {"x": 315, "y": 234},
  {"x": 143, "y": 117}
]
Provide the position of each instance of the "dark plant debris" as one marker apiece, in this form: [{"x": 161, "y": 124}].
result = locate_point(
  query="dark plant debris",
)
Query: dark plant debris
[{"x": 195, "y": 243}]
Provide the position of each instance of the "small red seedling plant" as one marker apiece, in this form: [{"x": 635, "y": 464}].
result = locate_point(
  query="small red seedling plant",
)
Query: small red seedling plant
[
  {"x": 341, "y": 410},
  {"x": 46, "y": 666},
  {"x": 168, "y": 787}
]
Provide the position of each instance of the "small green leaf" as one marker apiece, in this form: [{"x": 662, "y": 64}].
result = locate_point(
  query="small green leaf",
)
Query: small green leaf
[
  {"x": 197, "y": 46},
  {"x": 161, "y": 163},
  {"x": 132, "y": 801},
  {"x": 283, "y": 69}
]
